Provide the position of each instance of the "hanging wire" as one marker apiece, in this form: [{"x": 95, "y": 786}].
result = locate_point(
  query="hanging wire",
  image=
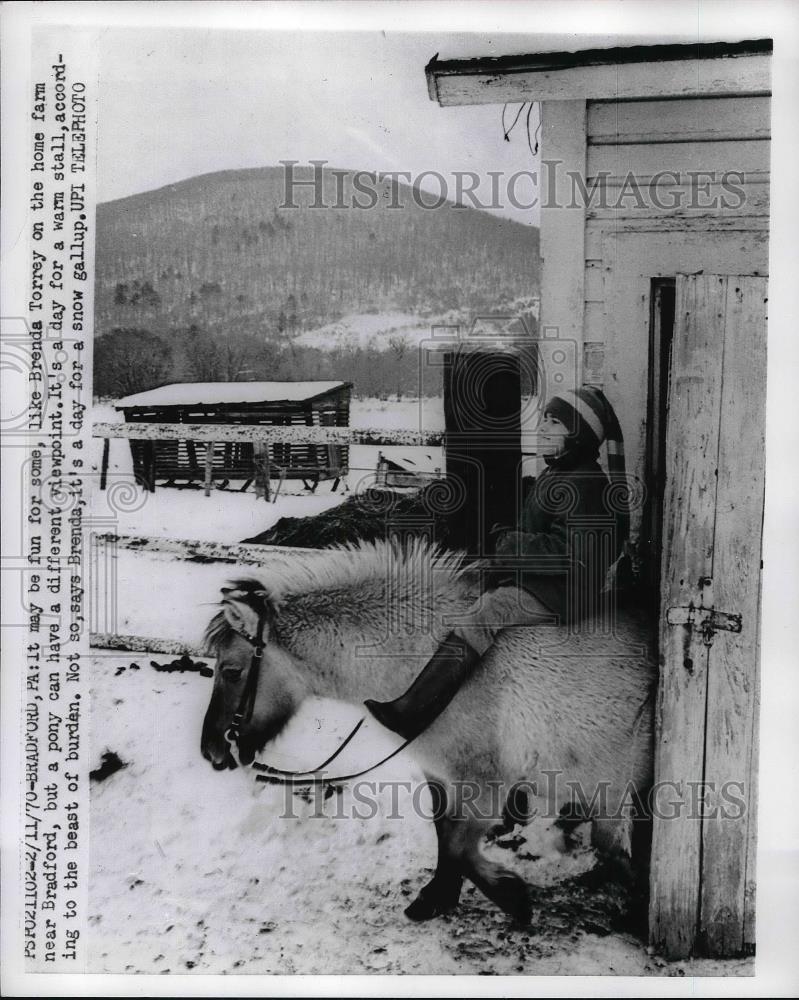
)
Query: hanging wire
[
  {"x": 530, "y": 140},
  {"x": 527, "y": 128},
  {"x": 537, "y": 129},
  {"x": 540, "y": 123},
  {"x": 507, "y": 132}
]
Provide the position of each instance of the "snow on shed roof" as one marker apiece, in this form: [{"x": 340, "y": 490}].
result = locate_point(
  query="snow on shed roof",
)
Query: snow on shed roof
[{"x": 211, "y": 393}]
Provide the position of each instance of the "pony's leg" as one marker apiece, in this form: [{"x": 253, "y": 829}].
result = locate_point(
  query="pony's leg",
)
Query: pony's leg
[
  {"x": 442, "y": 892},
  {"x": 465, "y": 834},
  {"x": 624, "y": 845},
  {"x": 498, "y": 883}
]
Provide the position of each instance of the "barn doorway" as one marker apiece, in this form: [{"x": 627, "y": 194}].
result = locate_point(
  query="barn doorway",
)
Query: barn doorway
[{"x": 661, "y": 334}]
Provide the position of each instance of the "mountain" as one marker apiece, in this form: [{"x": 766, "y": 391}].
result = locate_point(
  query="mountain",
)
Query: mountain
[
  {"x": 220, "y": 251},
  {"x": 238, "y": 276}
]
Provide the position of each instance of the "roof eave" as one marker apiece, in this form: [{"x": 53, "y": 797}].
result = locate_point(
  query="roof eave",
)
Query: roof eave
[{"x": 563, "y": 66}]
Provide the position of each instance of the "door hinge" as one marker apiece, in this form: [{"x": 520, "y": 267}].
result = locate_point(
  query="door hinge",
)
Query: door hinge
[{"x": 707, "y": 620}]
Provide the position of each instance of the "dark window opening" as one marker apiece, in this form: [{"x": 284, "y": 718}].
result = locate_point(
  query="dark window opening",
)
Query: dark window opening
[{"x": 661, "y": 332}]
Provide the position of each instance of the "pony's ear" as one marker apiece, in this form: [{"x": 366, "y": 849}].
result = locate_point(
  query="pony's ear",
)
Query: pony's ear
[{"x": 244, "y": 607}]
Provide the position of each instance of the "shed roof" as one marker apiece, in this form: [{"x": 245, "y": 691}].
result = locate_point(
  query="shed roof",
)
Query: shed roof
[{"x": 230, "y": 393}]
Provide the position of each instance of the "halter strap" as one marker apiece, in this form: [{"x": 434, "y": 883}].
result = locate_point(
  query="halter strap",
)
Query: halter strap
[
  {"x": 247, "y": 699},
  {"x": 268, "y": 769},
  {"x": 275, "y": 775}
]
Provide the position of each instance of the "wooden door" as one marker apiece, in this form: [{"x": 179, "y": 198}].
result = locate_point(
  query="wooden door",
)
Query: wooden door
[{"x": 703, "y": 851}]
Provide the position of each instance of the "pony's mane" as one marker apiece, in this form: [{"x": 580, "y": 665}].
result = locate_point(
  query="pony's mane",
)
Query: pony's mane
[{"x": 345, "y": 567}]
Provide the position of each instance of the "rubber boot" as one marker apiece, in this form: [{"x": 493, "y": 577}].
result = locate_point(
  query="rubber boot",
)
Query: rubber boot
[{"x": 431, "y": 692}]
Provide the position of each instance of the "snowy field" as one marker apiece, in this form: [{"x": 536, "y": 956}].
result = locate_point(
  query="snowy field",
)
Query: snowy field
[
  {"x": 194, "y": 870},
  {"x": 205, "y": 871},
  {"x": 367, "y": 330}
]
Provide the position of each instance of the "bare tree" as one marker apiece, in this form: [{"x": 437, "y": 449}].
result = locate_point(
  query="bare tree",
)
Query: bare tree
[{"x": 399, "y": 347}]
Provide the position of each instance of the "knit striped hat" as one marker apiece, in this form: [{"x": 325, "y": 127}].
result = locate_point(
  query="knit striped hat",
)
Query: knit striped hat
[{"x": 591, "y": 420}]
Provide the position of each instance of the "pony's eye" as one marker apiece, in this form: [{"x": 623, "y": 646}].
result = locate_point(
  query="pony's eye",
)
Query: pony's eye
[{"x": 231, "y": 673}]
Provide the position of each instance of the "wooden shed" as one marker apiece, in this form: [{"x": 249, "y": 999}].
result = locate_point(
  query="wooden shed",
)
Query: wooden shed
[
  {"x": 654, "y": 194},
  {"x": 310, "y": 404}
]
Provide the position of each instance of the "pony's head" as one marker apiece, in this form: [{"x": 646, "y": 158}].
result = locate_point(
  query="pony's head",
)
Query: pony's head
[
  {"x": 254, "y": 675},
  {"x": 308, "y": 621}
]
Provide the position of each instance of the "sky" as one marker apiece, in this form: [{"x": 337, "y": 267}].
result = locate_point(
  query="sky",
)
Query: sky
[
  {"x": 178, "y": 103},
  {"x": 181, "y": 101}
]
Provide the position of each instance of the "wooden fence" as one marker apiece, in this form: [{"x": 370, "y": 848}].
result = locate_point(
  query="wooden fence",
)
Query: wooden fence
[{"x": 259, "y": 436}]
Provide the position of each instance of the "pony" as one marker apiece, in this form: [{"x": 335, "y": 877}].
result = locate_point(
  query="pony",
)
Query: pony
[{"x": 549, "y": 709}]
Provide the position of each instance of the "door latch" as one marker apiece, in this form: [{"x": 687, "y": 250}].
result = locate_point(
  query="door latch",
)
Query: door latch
[{"x": 707, "y": 620}]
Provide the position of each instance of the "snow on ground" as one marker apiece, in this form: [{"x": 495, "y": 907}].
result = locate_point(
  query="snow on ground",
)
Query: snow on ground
[
  {"x": 206, "y": 871},
  {"x": 193, "y": 869},
  {"x": 367, "y": 329}
]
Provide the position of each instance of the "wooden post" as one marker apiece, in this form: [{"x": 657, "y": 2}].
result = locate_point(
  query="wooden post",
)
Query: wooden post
[
  {"x": 192, "y": 453},
  {"x": 104, "y": 465},
  {"x": 563, "y": 228},
  {"x": 261, "y": 470},
  {"x": 209, "y": 466},
  {"x": 149, "y": 451}
]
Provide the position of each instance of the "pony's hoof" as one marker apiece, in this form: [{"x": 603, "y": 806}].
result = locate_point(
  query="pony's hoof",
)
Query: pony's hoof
[
  {"x": 513, "y": 896},
  {"x": 523, "y": 913},
  {"x": 426, "y": 909}
]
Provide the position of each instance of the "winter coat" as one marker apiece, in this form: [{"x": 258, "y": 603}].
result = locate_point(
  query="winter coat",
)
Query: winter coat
[{"x": 566, "y": 536}]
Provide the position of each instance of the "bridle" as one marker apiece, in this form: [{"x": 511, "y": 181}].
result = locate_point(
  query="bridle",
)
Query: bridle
[{"x": 275, "y": 775}]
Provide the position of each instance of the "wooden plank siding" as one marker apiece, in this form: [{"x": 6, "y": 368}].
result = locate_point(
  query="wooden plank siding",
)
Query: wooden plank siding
[
  {"x": 647, "y": 160},
  {"x": 698, "y": 120},
  {"x": 686, "y": 225},
  {"x": 655, "y": 140},
  {"x": 632, "y": 258}
]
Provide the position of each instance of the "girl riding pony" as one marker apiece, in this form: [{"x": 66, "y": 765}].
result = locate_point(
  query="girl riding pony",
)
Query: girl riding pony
[{"x": 569, "y": 537}]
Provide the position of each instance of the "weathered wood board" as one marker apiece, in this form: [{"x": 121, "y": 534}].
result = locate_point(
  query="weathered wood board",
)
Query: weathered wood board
[
  {"x": 728, "y": 881},
  {"x": 675, "y": 78},
  {"x": 689, "y": 513},
  {"x": 698, "y": 119},
  {"x": 702, "y": 885},
  {"x": 647, "y": 160}
]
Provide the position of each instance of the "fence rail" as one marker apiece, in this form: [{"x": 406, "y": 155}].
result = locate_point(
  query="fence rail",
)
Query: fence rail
[
  {"x": 145, "y": 644},
  {"x": 203, "y": 551},
  {"x": 260, "y": 437},
  {"x": 258, "y": 434}
]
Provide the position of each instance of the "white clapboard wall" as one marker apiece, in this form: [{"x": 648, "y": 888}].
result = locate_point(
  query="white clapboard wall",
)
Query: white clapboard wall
[{"x": 719, "y": 148}]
